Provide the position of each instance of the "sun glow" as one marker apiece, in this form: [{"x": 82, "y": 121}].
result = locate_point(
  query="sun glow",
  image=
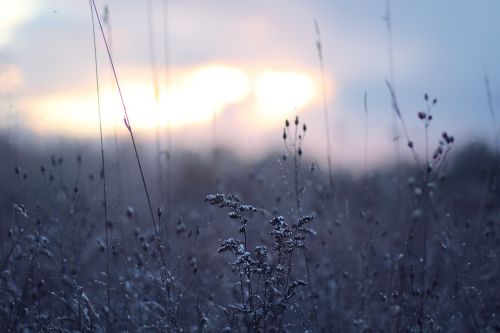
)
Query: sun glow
[
  {"x": 193, "y": 97},
  {"x": 197, "y": 96},
  {"x": 281, "y": 93}
]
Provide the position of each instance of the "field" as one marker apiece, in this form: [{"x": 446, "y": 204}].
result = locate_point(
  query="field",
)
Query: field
[
  {"x": 131, "y": 232},
  {"x": 385, "y": 252}
]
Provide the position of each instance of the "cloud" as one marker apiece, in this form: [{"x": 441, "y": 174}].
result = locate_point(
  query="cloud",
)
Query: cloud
[
  {"x": 12, "y": 15},
  {"x": 434, "y": 52},
  {"x": 193, "y": 96}
]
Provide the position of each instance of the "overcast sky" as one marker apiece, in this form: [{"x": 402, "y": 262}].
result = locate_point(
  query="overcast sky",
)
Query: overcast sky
[{"x": 253, "y": 63}]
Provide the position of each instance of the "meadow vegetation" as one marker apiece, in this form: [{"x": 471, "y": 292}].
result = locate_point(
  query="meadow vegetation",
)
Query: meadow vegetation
[
  {"x": 90, "y": 242},
  {"x": 413, "y": 253}
]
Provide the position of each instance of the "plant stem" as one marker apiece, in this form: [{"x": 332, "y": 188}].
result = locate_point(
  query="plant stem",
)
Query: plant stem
[
  {"x": 319, "y": 47},
  {"x": 129, "y": 128},
  {"x": 108, "y": 287}
]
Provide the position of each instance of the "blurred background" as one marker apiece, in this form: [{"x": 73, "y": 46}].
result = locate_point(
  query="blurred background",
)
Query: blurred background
[{"x": 203, "y": 74}]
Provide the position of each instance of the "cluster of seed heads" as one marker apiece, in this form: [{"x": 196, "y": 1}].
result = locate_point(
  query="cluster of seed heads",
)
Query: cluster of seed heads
[
  {"x": 293, "y": 140},
  {"x": 426, "y": 115}
]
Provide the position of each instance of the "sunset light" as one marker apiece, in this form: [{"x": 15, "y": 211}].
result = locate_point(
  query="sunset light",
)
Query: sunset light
[
  {"x": 249, "y": 166},
  {"x": 281, "y": 93},
  {"x": 193, "y": 97}
]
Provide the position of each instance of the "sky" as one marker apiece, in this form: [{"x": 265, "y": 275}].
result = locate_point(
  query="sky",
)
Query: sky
[{"x": 230, "y": 72}]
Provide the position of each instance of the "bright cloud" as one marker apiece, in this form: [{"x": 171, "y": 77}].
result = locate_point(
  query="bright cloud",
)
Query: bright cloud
[
  {"x": 192, "y": 97},
  {"x": 279, "y": 93},
  {"x": 13, "y": 14}
]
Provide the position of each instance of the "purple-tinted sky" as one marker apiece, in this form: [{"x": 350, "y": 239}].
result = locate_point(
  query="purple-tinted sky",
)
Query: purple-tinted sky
[{"x": 254, "y": 63}]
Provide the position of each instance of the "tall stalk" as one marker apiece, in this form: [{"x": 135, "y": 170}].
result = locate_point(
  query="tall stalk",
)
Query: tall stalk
[
  {"x": 166, "y": 64},
  {"x": 319, "y": 47},
  {"x": 128, "y": 125},
  {"x": 108, "y": 291},
  {"x": 107, "y": 22},
  {"x": 365, "y": 113},
  {"x": 492, "y": 112},
  {"x": 156, "y": 91},
  {"x": 390, "y": 60}
]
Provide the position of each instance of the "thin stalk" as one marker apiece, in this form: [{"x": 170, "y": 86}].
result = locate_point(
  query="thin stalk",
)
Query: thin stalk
[
  {"x": 424, "y": 275},
  {"x": 427, "y": 146},
  {"x": 131, "y": 132},
  {"x": 166, "y": 64},
  {"x": 390, "y": 59},
  {"x": 294, "y": 148},
  {"x": 108, "y": 290},
  {"x": 425, "y": 231},
  {"x": 424, "y": 174},
  {"x": 496, "y": 133},
  {"x": 152, "y": 49},
  {"x": 397, "y": 111},
  {"x": 486, "y": 186},
  {"x": 365, "y": 104},
  {"x": 427, "y": 123},
  {"x": 109, "y": 31},
  {"x": 296, "y": 166},
  {"x": 492, "y": 111},
  {"x": 214, "y": 142},
  {"x": 13, "y": 247},
  {"x": 319, "y": 47},
  {"x": 390, "y": 49},
  {"x": 156, "y": 91}
]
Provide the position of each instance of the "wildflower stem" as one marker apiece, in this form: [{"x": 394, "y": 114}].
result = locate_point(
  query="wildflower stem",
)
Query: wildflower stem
[
  {"x": 131, "y": 132},
  {"x": 319, "y": 47},
  {"x": 103, "y": 165}
]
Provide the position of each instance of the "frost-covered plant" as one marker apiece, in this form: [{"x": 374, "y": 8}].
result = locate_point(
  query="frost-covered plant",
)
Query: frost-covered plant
[{"x": 266, "y": 283}]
